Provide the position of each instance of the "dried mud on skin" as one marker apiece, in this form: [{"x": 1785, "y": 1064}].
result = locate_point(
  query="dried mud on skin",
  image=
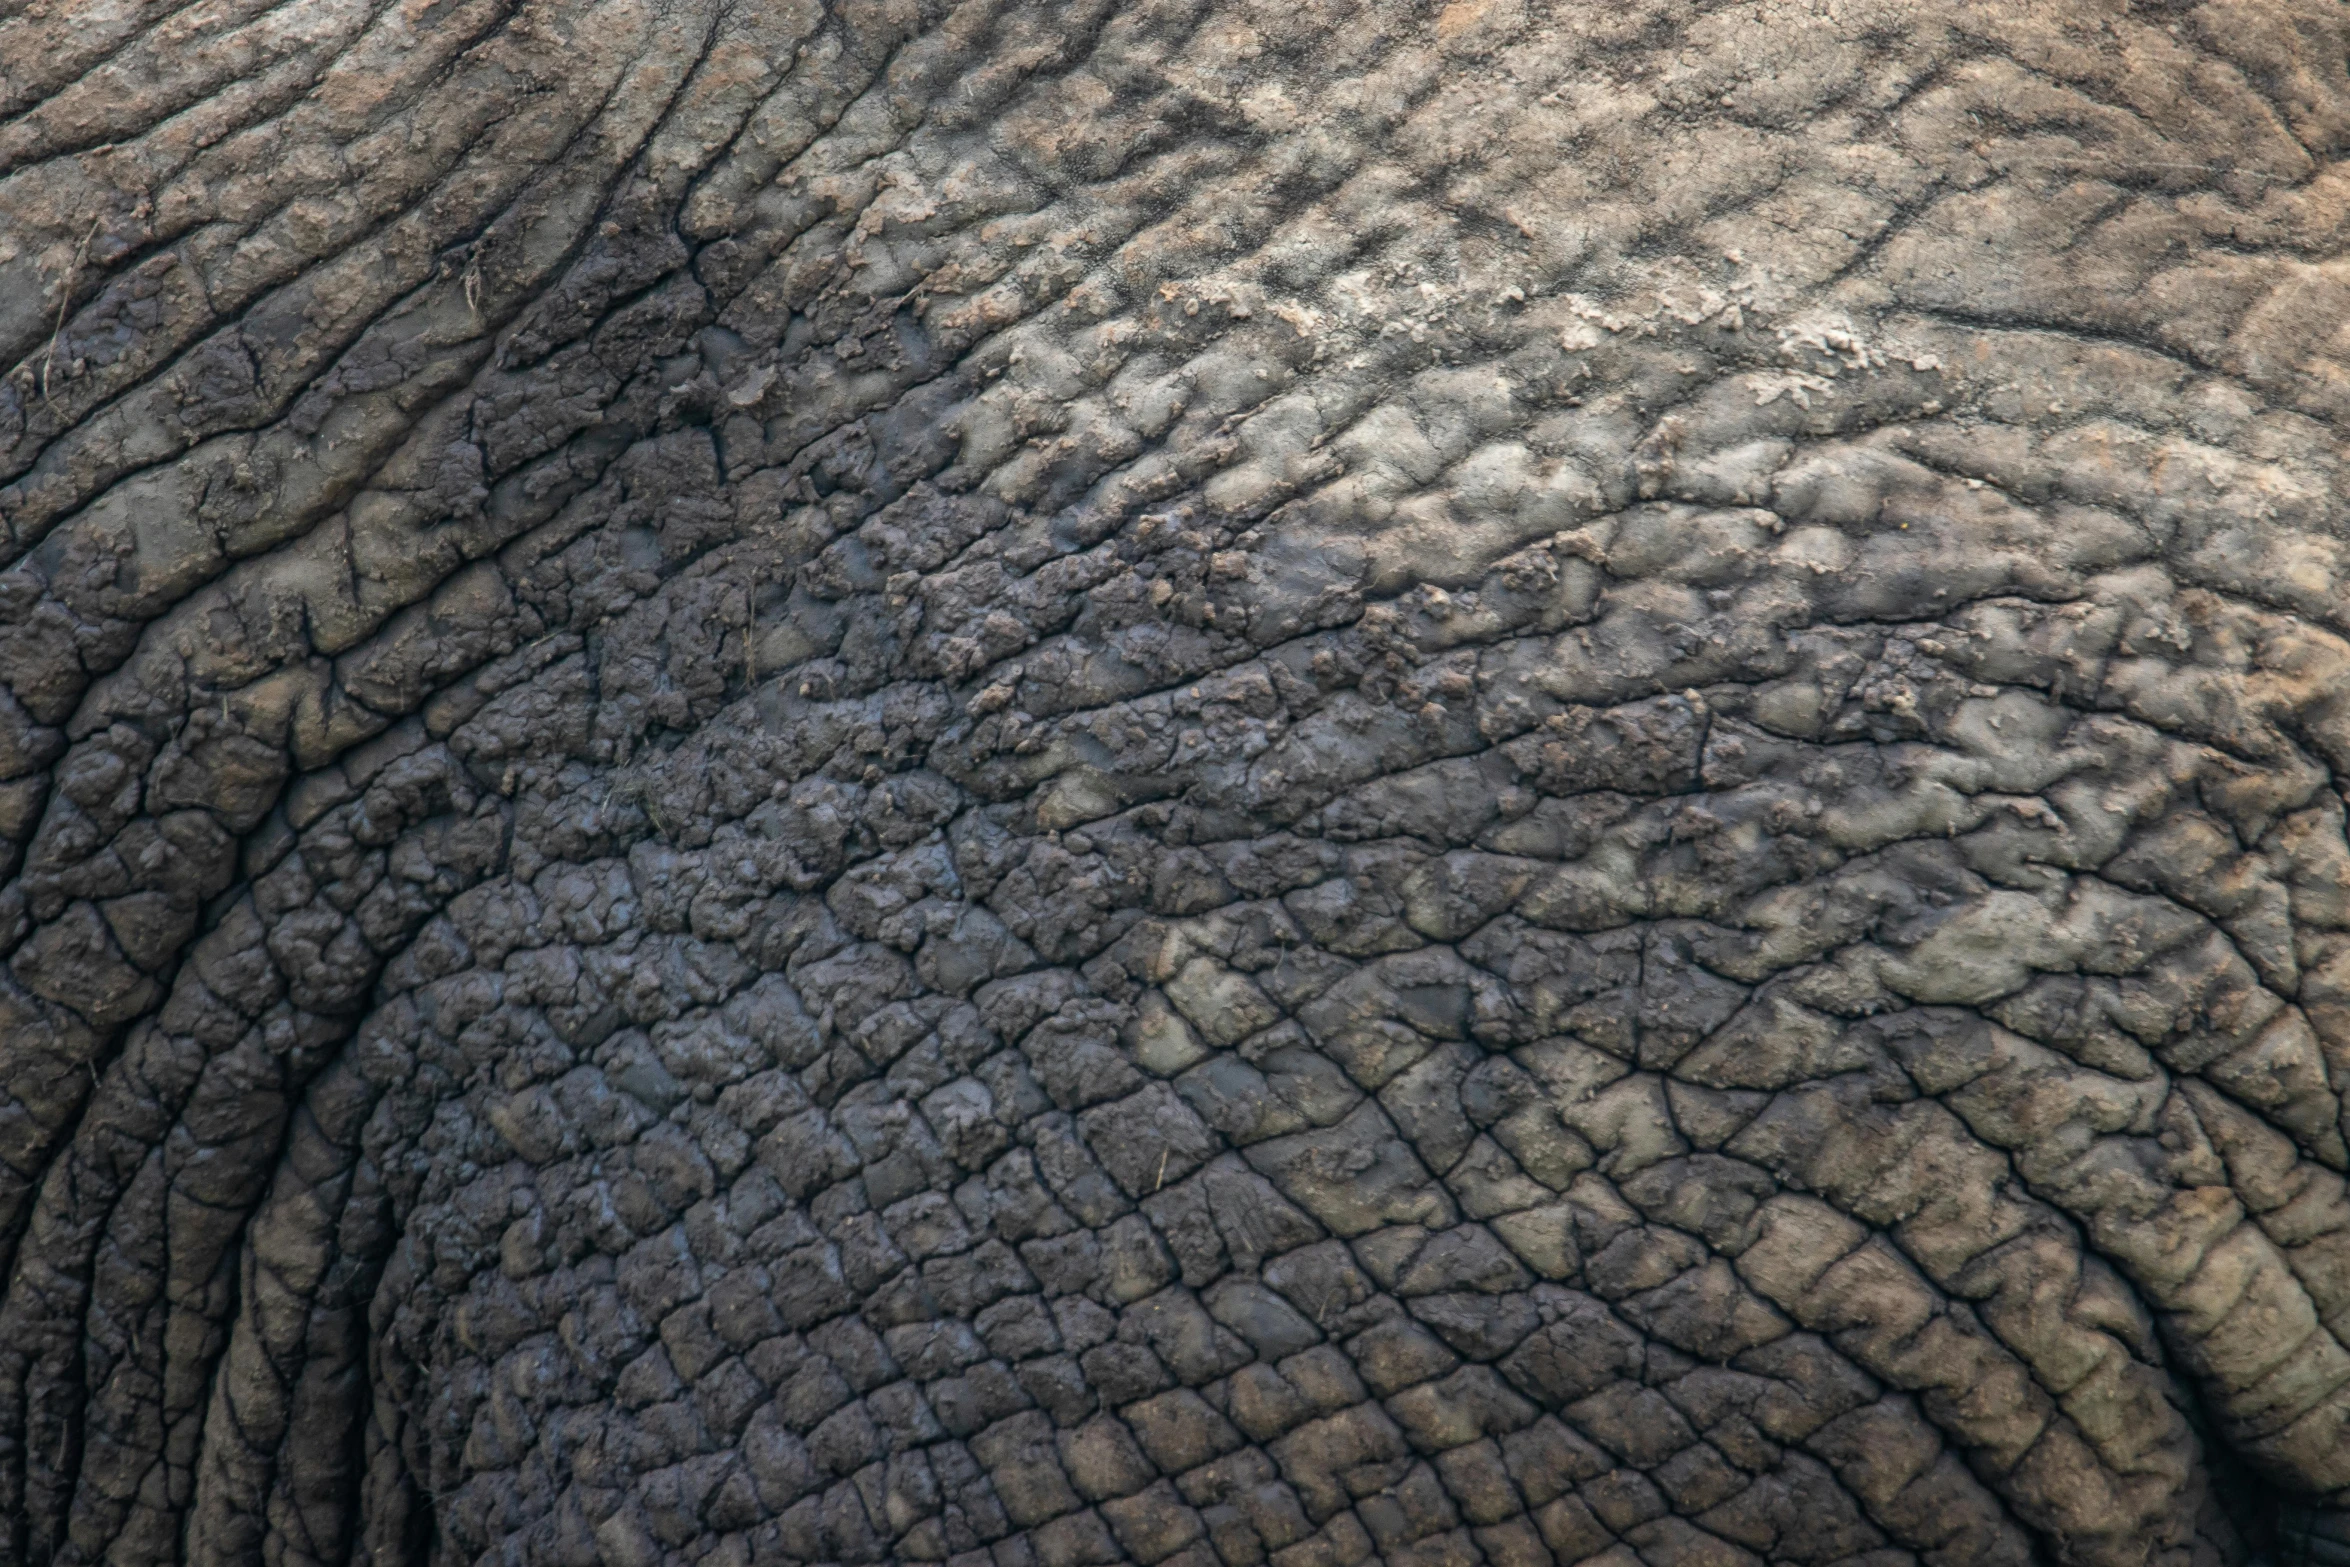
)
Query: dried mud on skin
[{"x": 1179, "y": 782}]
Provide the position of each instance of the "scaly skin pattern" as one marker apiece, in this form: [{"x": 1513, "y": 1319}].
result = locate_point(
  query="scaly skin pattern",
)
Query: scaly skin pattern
[{"x": 1189, "y": 781}]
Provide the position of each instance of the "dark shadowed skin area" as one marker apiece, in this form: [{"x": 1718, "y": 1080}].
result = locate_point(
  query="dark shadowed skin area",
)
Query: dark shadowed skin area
[{"x": 1193, "y": 782}]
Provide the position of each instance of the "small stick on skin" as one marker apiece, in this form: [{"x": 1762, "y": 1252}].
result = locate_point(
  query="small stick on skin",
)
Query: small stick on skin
[{"x": 73, "y": 275}]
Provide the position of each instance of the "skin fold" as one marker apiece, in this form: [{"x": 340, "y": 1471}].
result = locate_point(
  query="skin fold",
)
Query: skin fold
[{"x": 1192, "y": 782}]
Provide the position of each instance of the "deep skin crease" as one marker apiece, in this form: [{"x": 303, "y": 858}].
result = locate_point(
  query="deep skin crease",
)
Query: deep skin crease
[{"x": 1185, "y": 782}]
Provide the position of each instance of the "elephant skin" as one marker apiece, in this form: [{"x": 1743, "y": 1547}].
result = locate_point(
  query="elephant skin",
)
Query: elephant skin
[{"x": 1200, "y": 782}]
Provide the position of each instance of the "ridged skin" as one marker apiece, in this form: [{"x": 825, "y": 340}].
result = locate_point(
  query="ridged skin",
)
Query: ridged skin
[{"x": 1190, "y": 782}]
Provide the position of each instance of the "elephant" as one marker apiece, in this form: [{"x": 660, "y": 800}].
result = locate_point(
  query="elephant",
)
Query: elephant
[{"x": 1043, "y": 782}]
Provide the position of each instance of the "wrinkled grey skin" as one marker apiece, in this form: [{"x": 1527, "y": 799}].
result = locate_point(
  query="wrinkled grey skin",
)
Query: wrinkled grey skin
[{"x": 1191, "y": 782}]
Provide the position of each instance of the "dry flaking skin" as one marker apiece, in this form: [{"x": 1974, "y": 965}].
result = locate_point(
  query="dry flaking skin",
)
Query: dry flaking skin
[{"x": 1202, "y": 783}]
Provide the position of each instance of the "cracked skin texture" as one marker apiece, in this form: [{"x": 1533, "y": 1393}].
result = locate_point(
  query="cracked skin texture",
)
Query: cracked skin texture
[{"x": 1186, "y": 782}]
